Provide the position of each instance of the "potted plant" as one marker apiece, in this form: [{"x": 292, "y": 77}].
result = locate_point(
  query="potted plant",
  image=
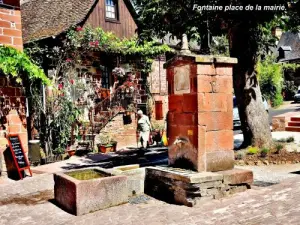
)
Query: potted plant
[
  {"x": 130, "y": 108},
  {"x": 157, "y": 132},
  {"x": 107, "y": 144}
]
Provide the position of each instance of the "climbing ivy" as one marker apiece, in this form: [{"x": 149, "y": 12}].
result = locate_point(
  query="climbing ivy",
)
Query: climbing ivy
[
  {"x": 99, "y": 40},
  {"x": 16, "y": 64},
  {"x": 90, "y": 39}
]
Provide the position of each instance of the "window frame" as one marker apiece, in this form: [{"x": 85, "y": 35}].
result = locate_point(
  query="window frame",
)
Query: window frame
[{"x": 117, "y": 15}]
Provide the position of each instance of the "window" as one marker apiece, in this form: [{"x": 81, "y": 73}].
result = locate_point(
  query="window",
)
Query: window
[{"x": 111, "y": 9}]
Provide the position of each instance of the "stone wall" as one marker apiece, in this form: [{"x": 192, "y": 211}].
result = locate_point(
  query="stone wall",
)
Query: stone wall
[
  {"x": 125, "y": 135},
  {"x": 158, "y": 85}
]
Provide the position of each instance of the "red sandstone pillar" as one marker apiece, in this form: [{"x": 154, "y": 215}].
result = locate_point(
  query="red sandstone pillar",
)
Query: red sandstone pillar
[{"x": 200, "y": 110}]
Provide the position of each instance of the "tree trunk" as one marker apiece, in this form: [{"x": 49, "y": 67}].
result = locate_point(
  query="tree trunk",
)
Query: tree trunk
[{"x": 254, "y": 118}]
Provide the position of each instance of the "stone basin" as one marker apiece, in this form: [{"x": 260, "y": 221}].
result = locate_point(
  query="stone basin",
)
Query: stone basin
[
  {"x": 135, "y": 178},
  {"x": 88, "y": 190}
]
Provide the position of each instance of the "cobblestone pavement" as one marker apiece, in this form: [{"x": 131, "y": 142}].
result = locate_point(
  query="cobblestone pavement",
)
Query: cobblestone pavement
[
  {"x": 30, "y": 202},
  {"x": 272, "y": 174}
]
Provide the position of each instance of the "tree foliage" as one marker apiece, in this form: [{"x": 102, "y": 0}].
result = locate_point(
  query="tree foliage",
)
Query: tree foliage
[{"x": 246, "y": 37}]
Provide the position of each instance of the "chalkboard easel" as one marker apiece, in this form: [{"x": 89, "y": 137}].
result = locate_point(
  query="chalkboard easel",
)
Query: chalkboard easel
[{"x": 18, "y": 156}]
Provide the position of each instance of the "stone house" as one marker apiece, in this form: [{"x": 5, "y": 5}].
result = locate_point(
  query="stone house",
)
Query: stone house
[
  {"x": 12, "y": 99},
  {"x": 48, "y": 22},
  {"x": 288, "y": 50}
]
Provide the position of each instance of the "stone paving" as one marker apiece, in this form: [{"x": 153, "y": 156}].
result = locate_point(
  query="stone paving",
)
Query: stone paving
[{"x": 30, "y": 202}]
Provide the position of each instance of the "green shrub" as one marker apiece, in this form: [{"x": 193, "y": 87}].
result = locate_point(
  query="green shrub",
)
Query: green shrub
[
  {"x": 240, "y": 155},
  {"x": 271, "y": 79},
  {"x": 278, "y": 148},
  {"x": 286, "y": 140},
  {"x": 289, "y": 89},
  {"x": 264, "y": 152},
  {"x": 290, "y": 139},
  {"x": 278, "y": 100},
  {"x": 252, "y": 150}
]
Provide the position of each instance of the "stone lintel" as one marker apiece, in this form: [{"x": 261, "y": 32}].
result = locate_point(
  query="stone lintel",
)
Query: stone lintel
[{"x": 201, "y": 59}]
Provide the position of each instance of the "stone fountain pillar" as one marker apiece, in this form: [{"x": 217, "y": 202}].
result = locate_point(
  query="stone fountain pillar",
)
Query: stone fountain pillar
[
  {"x": 200, "y": 131},
  {"x": 200, "y": 112}
]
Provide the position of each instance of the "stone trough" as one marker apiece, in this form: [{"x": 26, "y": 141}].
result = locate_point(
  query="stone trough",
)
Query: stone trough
[
  {"x": 135, "y": 178},
  {"x": 88, "y": 190}
]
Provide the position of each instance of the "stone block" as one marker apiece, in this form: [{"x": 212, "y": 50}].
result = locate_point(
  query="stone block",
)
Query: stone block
[
  {"x": 135, "y": 178},
  {"x": 89, "y": 195},
  {"x": 221, "y": 140},
  {"x": 175, "y": 103},
  {"x": 185, "y": 119},
  {"x": 205, "y": 83},
  {"x": 219, "y": 161},
  {"x": 215, "y": 121},
  {"x": 204, "y": 177},
  {"x": 237, "y": 176},
  {"x": 212, "y": 102},
  {"x": 189, "y": 103},
  {"x": 206, "y": 69},
  {"x": 223, "y": 69}
]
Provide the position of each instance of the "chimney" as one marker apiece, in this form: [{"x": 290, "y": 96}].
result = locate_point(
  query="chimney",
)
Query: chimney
[{"x": 277, "y": 32}]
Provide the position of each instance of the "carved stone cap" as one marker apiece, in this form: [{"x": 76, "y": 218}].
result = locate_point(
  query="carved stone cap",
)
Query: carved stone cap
[{"x": 202, "y": 59}]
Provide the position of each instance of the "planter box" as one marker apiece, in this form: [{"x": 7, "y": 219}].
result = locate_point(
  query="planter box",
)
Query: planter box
[
  {"x": 135, "y": 178},
  {"x": 84, "y": 191}
]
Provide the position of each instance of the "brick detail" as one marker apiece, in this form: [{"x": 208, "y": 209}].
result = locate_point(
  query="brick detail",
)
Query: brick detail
[
  {"x": 5, "y": 40},
  {"x": 10, "y": 28},
  {"x": 12, "y": 33}
]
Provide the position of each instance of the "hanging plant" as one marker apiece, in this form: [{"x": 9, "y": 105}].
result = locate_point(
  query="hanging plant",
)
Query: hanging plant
[{"x": 119, "y": 72}]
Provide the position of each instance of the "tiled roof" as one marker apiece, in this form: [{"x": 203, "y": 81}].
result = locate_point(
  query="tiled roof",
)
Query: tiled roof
[
  {"x": 46, "y": 18},
  {"x": 290, "y": 43}
]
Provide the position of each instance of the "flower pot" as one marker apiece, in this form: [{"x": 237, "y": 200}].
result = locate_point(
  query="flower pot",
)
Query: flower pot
[
  {"x": 71, "y": 152},
  {"x": 105, "y": 148},
  {"x": 114, "y": 144}
]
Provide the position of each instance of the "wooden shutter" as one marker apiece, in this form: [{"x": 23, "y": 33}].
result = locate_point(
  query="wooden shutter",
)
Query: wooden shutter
[{"x": 159, "y": 110}]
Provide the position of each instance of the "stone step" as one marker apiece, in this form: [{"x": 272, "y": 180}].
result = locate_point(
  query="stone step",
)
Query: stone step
[
  {"x": 295, "y": 119},
  {"x": 294, "y": 124},
  {"x": 292, "y": 129}
]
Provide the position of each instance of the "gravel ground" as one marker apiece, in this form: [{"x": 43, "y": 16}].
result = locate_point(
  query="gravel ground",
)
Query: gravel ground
[{"x": 272, "y": 174}]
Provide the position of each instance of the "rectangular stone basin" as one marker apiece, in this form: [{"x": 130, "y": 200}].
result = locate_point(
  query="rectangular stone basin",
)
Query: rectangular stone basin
[
  {"x": 88, "y": 190},
  {"x": 135, "y": 178}
]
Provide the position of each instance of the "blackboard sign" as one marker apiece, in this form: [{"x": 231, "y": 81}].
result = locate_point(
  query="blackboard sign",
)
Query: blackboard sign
[{"x": 18, "y": 154}]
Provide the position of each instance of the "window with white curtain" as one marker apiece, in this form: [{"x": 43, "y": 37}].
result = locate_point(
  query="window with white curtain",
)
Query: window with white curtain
[{"x": 111, "y": 9}]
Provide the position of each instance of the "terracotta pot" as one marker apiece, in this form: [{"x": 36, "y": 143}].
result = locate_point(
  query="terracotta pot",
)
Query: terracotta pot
[
  {"x": 115, "y": 146},
  {"x": 71, "y": 152},
  {"x": 105, "y": 148}
]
